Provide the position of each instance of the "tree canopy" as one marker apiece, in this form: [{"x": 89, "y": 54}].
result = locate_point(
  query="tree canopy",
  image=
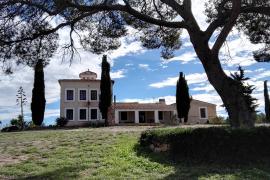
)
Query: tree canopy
[{"x": 28, "y": 26}]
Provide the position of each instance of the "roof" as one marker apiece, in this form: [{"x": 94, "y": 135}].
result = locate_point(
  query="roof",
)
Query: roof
[
  {"x": 198, "y": 101},
  {"x": 88, "y": 73}
]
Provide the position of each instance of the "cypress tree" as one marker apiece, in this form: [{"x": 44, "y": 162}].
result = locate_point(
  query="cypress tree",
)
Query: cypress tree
[
  {"x": 182, "y": 98},
  {"x": 105, "y": 89},
  {"x": 266, "y": 102},
  {"x": 38, "y": 95}
]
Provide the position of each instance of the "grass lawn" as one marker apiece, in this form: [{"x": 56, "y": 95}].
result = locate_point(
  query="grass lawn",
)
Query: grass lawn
[{"x": 101, "y": 153}]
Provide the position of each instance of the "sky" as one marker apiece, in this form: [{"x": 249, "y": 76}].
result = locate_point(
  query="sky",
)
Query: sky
[{"x": 140, "y": 75}]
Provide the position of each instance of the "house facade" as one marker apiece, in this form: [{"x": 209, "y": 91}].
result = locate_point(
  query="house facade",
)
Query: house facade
[
  {"x": 200, "y": 112},
  {"x": 79, "y": 99}
]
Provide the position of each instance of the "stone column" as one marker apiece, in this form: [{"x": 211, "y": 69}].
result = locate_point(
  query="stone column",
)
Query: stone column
[
  {"x": 156, "y": 117},
  {"x": 137, "y": 117}
]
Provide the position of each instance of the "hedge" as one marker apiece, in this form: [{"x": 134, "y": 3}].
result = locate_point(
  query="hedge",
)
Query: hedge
[{"x": 214, "y": 144}]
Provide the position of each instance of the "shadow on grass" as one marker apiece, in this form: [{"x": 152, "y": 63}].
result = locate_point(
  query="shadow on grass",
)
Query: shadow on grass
[
  {"x": 68, "y": 172},
  {"x": 189, "y": 169}
]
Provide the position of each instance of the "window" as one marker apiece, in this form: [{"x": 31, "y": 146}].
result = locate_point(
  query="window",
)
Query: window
[
  {"x": 82, "y": 95},
  {"x": 203, "y": 113},
  {"x": 94, "y": 114},
  {"x": 93, "y": 94},
  {"x": 123, "y": 116},
  {"x": 69, "y": 95},
  {"x": 83, "y": 114},
  {"x": 160, "y": 115},
  {"x": 69, "y": 114}
]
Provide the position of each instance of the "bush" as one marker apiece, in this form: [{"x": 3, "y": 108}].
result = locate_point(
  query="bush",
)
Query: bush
[
  {"x": 19, "y": 122},
  {"x": 217, "y": 120},
  {"x": 10, "y": 129},
  {"x": 61, "y": 121},
  {"x": 212, "y": 144}
]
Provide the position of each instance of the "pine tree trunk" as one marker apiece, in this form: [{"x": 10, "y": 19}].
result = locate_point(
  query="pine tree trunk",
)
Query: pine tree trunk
[{"x": 234, "y": 101}]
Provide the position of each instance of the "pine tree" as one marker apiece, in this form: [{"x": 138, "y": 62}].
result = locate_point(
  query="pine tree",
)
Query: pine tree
[
  {"x": 182, "y": 98},
  {"x": 106, "y": 89},
  {"x": 38, "y": 95},
  {"x": 245, "y": 89},
  {"x": 266, "y": 102}
]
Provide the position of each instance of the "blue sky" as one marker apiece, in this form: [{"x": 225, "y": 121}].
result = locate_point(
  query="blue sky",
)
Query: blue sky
[{"x": 139, "y": 74}]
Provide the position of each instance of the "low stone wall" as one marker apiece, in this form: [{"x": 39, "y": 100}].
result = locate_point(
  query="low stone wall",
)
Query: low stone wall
[{"x": 158, "y": 147}]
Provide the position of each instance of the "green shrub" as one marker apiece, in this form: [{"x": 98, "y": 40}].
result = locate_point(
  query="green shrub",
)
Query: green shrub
[
  {"x": 260, "y": 118},
  {"x": 213, "y": 144},
  {"x": 61, "y": 121},
  {"x": 10, "y": 129},
  {"x": 217, "y": 120},
  {"x": 19, "y": 122}
]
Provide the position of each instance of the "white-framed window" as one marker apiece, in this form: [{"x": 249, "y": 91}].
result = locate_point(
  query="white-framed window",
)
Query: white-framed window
[
  {"x": 70, "y": 94},
  {"x": 93, "y": 114},
  {"x": 93, "y": 95},
  {"x": 82, "y": 113},
  {"x": 203, "y": 112},
  {"x": 69, "y": 114},
  {"x": 82, "y": 94}
]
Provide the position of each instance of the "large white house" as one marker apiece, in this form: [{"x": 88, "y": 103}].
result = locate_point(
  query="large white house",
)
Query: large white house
[{"x": 79, "y": 101}]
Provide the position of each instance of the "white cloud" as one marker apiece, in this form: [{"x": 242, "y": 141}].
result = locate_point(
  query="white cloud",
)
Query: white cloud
[
  {"x": 262, "y": 75},
  {"x": 145, "y": 67},
  {"x": 207, "y": 88},
  {"x": 129, "y": 64},
  {"x": 259, "y": 70},
  {"x": 185, "y": 57},
  {"x": 198, "y": 7},
  {"x": 171, "y": 81},
  {"x": 117, "y": 74},
  {"x": 238, "y": 50}
]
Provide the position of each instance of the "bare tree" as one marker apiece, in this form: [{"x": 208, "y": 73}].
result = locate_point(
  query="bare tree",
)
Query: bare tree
[{"x": 100, "y": 23}]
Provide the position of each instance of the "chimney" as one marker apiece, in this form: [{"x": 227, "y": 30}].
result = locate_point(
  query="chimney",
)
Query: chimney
[{"x": 162, "y": 101}]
